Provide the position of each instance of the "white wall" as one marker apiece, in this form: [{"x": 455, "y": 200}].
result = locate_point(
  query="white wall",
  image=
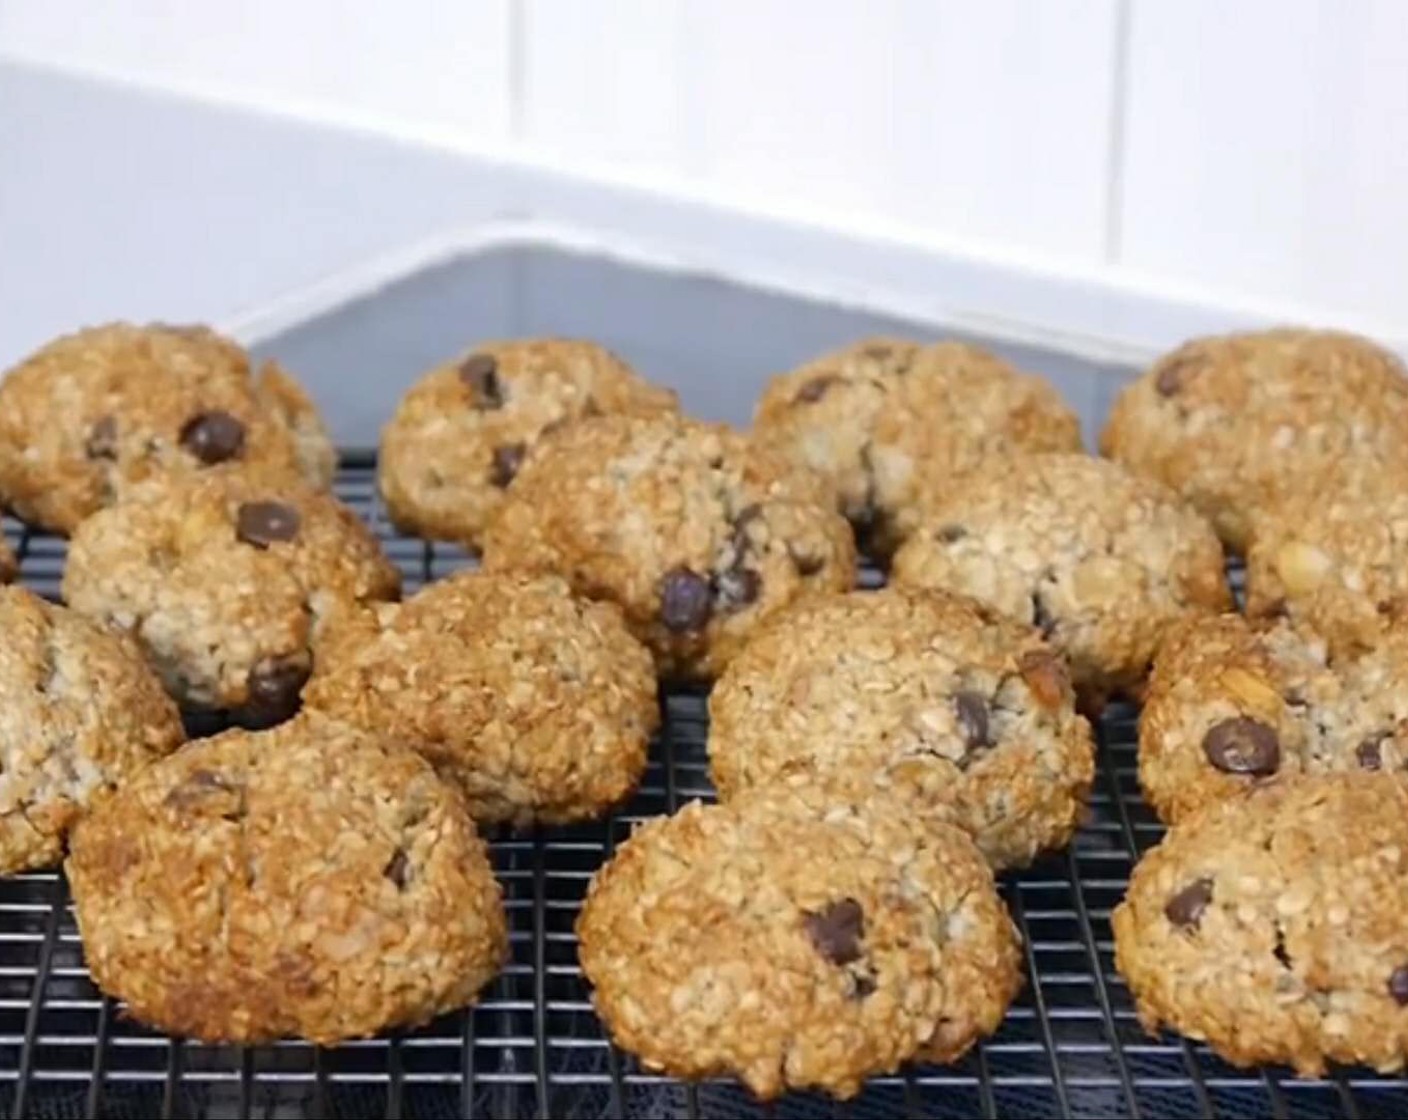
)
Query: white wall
[{"x": 1247, "y": 155}]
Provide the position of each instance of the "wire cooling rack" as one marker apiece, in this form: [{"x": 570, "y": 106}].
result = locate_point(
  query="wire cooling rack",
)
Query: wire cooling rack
[{"x": 1070, "y": 1046}]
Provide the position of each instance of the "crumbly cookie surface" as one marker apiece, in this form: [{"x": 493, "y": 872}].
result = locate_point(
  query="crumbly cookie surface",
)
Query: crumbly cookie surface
[
  {"x": 1100, "y": 561},
  {"x": 463, "y": 431},
  {"x": 307, "y": 881},
  {"x": 539, "y": 705},
  {"x": 225, "y": 578},
  {"x": 1271, "y": 925},
  {"x": 696, "y": 534},
  {"x": 80, "y": 713},
  {"x": 1239, "y": 424},
  {"x": 1231, "y": 703},
  {"x": 885, "y": 419},
  {"x": 836, "y": 942},
  {"x": 966, "y": 715},
  {"x": 95, "y": 412}
]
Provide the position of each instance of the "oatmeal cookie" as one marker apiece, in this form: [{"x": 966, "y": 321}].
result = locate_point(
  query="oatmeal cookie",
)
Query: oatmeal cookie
[
  {"x": 1271, "y": 925},
  {"x": 965, "y": 714},
  {"x": 1232, "y": 702},
  {"x": 837, "y": 943},
  {"x": 538, "y": 705},
  {"x": 92, "y": 413},
  {"x": 1101, "y": 562},
  {"x": 80, "y": 713},
  {"x": 1242, "y": 423},
  {"x": 461, "y": 434},
  {"x": 884, "y": 419},
  {"x": 225, "y": 578},
  {"x": 308, "y": 881},
  {"x": 696, "y": 534}
]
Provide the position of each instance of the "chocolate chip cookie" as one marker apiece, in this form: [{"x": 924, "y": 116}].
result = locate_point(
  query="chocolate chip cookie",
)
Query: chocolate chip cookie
[
  {"x": 837, "y": 943},
  {"x": 80, "y": 713},
  {"x": 540, "y": 706},
  {"x": 1242, "y": 423},
  {"x": 94, "y": 412},
  {"x": 1101, "y": 562},
  {"x": 1232, "y": 702},
  {"x": 695, "y": 533},
  {"x": 461, "y": 434},
  {"x": 308, "y": 881},
  {"x": 964, "y": 714},
  {"x": 226, "y": 578},
  {"x": 1271, "y": 925},
  {"x": 885, "y": 419}
]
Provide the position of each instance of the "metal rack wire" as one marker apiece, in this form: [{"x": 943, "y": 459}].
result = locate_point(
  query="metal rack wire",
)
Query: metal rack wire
[{"x": 533, "y": 1048}]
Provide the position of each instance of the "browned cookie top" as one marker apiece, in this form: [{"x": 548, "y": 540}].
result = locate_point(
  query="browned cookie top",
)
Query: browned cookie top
[{"x": 93, "y": 412}]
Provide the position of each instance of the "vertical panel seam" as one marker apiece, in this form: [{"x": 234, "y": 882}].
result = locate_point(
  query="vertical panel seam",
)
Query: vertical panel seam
[{"x": 1116, "y": 154}]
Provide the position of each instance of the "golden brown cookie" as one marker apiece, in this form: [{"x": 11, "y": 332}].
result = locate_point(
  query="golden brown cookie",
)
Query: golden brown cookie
[
  {"x": 884, "y": 419},
  {"x": 964, "y": 714},
  {"x": 226, "y": 578},
  {"x": 795, "y": 943},
  {"x": 308, "y": 881},
  {"x": 1231, "y": 703},
  {"x": 697, "y": 535},
  {"x": 80, "y": 713},
  {"x": 94, "y": 412},
  {"x": 538, "y": 705},
  {"x": 1271, "y": 925},
  {"x": 1100, "y": 561},
  {"x": 1241, "y": 423},
  {"x": 461, "y": 434}
]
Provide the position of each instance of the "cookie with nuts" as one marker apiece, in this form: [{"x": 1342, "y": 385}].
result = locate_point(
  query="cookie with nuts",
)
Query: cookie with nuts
[
  {"x": 839, "y": 943},
  {"x": 1233, "y": 702},
  {"x": 95, "y": 412},
  {"x": 1100, "y": 561},
  {"x": 1270, "y": 925},
  {"x": 321, "y": 883},
  {"x": 965, "y": 715},
  {"x": 1240, "y": 424},
  {"x": 226, "y": 579},
  {"x": 80, "y": 713},
  {"x": 539, "y": 705},
  {"x": 884, "y": 419},
  {"x": 462, "y": 432},
  {"x": 695, "y": 533}
]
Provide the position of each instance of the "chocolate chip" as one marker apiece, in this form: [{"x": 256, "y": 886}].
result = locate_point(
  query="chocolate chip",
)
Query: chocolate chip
[
  {"x": 481, "y": 373},
  {"x": 507, "y": 460},
  {"x": 684, "y": 600},
  {"x": 862, "y": 986},
  {"x": 815, "y": 389},
  {"x": 1398, "y": 985},
  {"x": 397, "y": 868},
  {"x": 275, "y": 689},
  {"x": 263, "y": 523},
  {"x": 948, "y": 534},
  {"x": 102, "y": 439},
  {"x": 1243, "y": 746},
  {"x": 1041, "y": 617},
  {"x": 836, "y": 930},
  {"x": 1370, "y": 752},
  {"x": 737, "y": 587},
  {"x": 971, "y": 710},
  {"x": 1175, "y": 374},
  {"x": 746, "y": 516},
  {"x": 213, "y": 437},
  {"x": 1185, "y": 909}
]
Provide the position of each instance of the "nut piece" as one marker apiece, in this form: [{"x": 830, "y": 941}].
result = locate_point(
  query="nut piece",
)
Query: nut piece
[
  {"x": 1045, "y": 676},
  {"x": 1302, "y": 567},
  {"x": 1253, "y": 692}
]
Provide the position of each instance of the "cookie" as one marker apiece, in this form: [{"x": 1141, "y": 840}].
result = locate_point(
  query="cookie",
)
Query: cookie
[
  {"x": 964, "y": 714},
  {"x": 226, "y": 578},
  {"x": 80, "y": 713},
  {"x": 836, "y": 943},
  {"x": 308, "y": 881},
  {"x": 538, "y": 705},
  {"x": 884, "y": 419},
  {"x": 1242, "y": 423},
  {"x": 9, "y": 564},
  {"x": 1231, "y": 703},
  {"x": 1101, "y": 562},
  {"x": 1271, "y": 925},
  {"x": 696, "y": 534},
  {"x": 463, "y": 431},
  {"x": 92, "y": 413}
]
